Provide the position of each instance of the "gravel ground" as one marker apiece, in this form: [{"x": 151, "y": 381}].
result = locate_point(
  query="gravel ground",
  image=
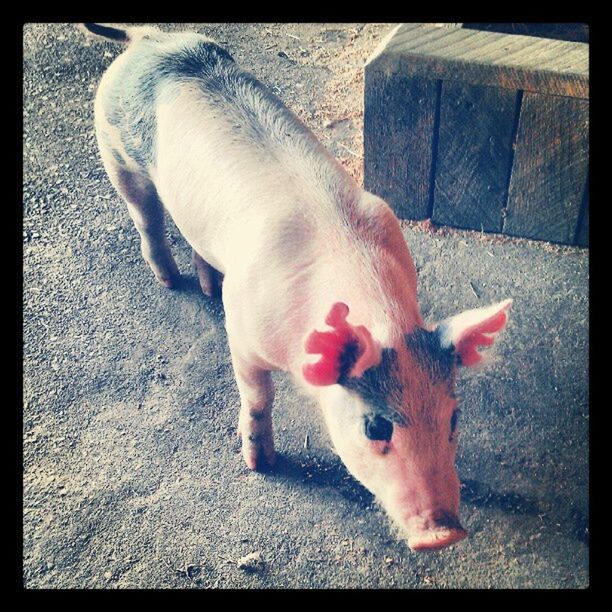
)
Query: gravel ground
[{"x": 132, "y": 475}]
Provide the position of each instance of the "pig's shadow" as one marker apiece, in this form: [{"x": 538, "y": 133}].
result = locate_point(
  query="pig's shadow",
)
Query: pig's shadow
[
  {"x": 481, "y": 495},
  {"x": 333, "y": 476},
  {"x": 321, "y": 474},
  {"x": 189, "y": 284}
]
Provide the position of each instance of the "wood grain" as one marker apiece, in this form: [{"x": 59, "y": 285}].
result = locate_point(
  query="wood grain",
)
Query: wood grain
[
  {"x": 582, "y": 236},
  {"x": 576, "y": 32},
  {"x": 398, "y": 132},
  {"x": 511, "y": 61},
  {"x": 474, "y": 155},
  {"x": 550, "y": 168}
]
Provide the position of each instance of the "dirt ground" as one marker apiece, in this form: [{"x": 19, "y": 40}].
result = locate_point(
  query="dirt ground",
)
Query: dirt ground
[{"x": 132, "y": 476}]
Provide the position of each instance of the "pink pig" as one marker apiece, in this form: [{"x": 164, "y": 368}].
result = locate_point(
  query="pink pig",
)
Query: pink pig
[{"x": 317, "y": 277}]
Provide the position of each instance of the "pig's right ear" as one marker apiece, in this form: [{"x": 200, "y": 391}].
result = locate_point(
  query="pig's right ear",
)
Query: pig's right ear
[
  {"x": 471, "y": 329},
  {"x": 347, "y": 350}
]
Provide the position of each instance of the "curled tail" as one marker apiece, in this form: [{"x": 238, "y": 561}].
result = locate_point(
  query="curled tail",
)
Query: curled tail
[{"x": 119, "y": 34}]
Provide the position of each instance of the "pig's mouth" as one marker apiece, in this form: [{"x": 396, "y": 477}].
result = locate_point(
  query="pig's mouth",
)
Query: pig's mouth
[{"x": 433, "y": 531}]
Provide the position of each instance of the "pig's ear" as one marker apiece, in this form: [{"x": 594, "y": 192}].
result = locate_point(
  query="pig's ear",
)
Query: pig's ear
[
  {"x": 472, "y": 329},
  {"x": 347, "y": 350}
]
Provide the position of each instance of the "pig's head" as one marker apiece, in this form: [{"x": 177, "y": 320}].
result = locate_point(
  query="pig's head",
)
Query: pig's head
[{"x": 393, "y": 415}]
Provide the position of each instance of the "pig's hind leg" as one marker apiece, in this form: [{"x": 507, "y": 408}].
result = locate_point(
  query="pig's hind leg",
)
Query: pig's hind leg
[
  {"x": 147, "y": 213},
  {"x": 255, "y": 422},
  {"x": 210, "y": 279}
]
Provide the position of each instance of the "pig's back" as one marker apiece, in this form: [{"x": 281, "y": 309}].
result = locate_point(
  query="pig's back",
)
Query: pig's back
[
  {"x": 233, "y": 166},
  {"x": 132, "y": 86}
]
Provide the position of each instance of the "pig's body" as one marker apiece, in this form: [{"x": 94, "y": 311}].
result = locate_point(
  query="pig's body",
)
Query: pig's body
[
  {"x": 259, "y": 199},
  {"x": 263, "y": 203}
]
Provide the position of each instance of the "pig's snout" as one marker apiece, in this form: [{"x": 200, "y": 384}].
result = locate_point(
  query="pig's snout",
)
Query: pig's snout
[{"x": 433, "y": 530}]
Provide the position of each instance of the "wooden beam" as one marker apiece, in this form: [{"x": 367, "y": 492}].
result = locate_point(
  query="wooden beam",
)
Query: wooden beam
[{"x": 511, "y": 61}]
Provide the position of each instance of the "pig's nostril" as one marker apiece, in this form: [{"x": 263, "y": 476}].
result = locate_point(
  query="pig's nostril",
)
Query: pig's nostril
[
  {"x": 447, "y": 520},
  {"x": 435, "y": 539},
  {"x": 434, "y": 530}
]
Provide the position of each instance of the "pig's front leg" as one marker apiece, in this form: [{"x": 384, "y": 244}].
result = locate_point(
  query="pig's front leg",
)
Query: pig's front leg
[{"x": 255, "y": 422}]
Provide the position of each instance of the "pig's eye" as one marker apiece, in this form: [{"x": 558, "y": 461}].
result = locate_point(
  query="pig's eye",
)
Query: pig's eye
[
  {"x": 453, "y": 423},
  {"x": 378, "y": 428}
]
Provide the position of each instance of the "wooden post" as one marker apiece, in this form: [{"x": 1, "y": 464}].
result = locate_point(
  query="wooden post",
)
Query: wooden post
[
  {"x": 398, "y": 132},
  {"x": 550, "y": 168},
  {"x": 582, "y": 237},
  {"x": 474, "y": 155}
]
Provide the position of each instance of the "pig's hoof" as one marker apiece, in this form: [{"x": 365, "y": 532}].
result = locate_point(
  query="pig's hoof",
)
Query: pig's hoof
[
  {"x": 260, "y": 461},
  {"x": 207, "y": 289},
  {"x": 169, "y": 282},
  {"x": 210, "y": 283}
]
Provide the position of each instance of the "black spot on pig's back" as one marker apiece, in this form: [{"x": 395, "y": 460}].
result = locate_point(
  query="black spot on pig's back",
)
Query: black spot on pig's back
[
  {"x": 147, "y": 74},
  {"x": 200, "y": 59}
]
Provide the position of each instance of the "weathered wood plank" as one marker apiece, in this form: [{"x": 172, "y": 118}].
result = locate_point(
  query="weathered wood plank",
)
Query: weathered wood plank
[
  {"x": 576, "y": 32},
  {"x": 582, "y": 236},
  {"x": 550, "y": 168},
  {"x": 486, "y": 58},
  {"x": 474, "y": 155},
  {"x": 398, "y": 132}
]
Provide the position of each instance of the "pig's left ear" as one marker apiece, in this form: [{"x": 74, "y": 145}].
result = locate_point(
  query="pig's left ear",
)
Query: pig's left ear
[{"x": 472, "y": 329}]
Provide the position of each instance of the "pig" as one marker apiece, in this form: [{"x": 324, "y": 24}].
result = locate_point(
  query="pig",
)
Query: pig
[{"x": 317, "y": 279}]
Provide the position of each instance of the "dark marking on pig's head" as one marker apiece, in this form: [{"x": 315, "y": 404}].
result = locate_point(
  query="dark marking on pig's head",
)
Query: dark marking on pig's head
[
  {"x": 348, "y": 358},
  {"x": 437, "y": 361},
  {"x": 379, "y": 387}
]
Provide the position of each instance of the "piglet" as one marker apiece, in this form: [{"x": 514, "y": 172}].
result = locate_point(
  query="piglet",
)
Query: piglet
[{"x": 317, "y": 278}]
